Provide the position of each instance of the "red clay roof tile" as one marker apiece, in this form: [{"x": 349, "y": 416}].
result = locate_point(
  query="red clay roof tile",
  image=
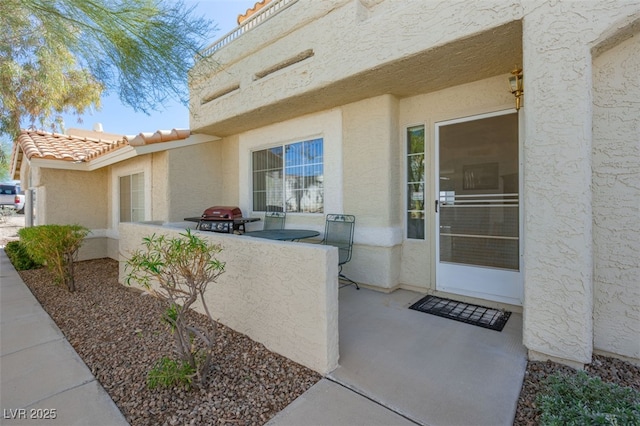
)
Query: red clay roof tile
[
  {"x": 56, "y": 146},
  {"x": 256, "y": 7}
]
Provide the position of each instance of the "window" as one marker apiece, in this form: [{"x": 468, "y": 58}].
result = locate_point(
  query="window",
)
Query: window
[
  {"x": 132, "y": 198},
  {"x": 415, "y": 183},
  {"x": 289, "y": 178}
]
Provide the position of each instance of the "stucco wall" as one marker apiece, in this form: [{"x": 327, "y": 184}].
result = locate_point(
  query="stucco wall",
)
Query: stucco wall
[
  {"x": 616, "y": 199},
  {"x": 73, "y": 197},
  {"x": 345, "y": 37},
  {"x": 66, "y": 197},
  {"x": 194, "y": 180},
  {"x": 567, "y": 172},
  {"x": 230, "y": 178},
  {"x": 558, "y": 310},
  {"x": 160, "y": 184},
  {"x": 372, "y": 176},
  {"x": 281, "y": 294}
]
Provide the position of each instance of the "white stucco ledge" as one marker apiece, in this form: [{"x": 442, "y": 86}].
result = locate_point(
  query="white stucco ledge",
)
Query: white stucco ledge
[{"x": 281, "y": 294}]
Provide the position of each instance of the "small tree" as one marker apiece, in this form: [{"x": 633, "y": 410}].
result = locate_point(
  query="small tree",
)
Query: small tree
[
  {"x": 55, "y": 246},
  {"x": 178, "y": 270}
]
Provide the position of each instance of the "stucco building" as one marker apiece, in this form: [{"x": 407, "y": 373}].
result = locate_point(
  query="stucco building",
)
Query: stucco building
[
  {"x": 399, "y": 112},
  {"x": 455, "y": 191}
]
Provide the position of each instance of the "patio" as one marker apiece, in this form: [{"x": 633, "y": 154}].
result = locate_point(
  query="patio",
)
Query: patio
[
  {"x": 382, "y": 362},
  {"x": 415, "y": 367}
]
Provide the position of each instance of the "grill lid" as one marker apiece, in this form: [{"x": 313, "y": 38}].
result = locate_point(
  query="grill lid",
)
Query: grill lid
[{"x": 222, "y": 212}]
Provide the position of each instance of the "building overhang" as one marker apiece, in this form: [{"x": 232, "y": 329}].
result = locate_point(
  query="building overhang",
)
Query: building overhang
[
  {"x": 108, "y": 159},
  {"x": 475, "y": 57}
]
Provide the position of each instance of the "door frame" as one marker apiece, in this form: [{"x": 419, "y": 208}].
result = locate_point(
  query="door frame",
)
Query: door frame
[{"x": 518, "y": 300}]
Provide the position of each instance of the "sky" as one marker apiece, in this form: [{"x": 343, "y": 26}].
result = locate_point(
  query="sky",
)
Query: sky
[{"x": 121, "y": 119}]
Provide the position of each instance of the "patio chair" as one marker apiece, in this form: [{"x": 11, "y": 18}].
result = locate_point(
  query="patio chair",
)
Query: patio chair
[
  {"x": 338, "y": 232},
  {"x": 274, "y": 220}
]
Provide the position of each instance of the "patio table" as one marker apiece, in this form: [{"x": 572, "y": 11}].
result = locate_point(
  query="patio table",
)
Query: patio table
[{"x": 283, "y": 234}]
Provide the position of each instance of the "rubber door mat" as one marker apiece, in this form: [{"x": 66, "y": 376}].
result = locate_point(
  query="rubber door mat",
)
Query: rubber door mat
[{"x": 493, "y": 319}]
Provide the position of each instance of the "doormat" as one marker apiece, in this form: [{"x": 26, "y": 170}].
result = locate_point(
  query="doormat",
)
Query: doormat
[{"x": 493, "y": 319}]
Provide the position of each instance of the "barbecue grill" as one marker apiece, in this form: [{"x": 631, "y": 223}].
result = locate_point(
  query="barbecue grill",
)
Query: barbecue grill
[{"x": 225, "y": 219}]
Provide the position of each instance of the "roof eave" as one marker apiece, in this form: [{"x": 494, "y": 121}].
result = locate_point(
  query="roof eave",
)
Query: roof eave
[{"x": 120, "y": 154}]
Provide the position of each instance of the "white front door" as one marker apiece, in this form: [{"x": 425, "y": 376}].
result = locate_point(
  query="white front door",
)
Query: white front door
[{"x": 478, "y": 210}]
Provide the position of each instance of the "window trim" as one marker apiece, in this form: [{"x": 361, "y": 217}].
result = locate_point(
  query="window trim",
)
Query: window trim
[
  {"x": 407, "y": 182},
  {"x": 327, "y": 125},
  {"x": 283, "y": 145},
  {"x": 124, "y": 170},
  {"x": 131, "y": 192}
]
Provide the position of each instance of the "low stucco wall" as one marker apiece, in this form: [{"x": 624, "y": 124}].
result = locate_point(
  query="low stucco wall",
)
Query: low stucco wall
[
  {"x": 281, "y": 294},
  {"x": 93, "y": 247}
]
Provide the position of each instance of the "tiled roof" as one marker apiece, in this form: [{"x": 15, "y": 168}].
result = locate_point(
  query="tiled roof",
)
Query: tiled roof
[
  {"x": 56, "y": 146},
  {"x": 159, "y": 136},
  {"x": 256, "y": 7}
]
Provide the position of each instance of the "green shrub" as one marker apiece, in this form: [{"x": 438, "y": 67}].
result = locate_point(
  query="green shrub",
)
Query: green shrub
[
  {"x": 55, "y": 246},
  {"x": 19, "y": 257},
  {"x": 580, "y": 399},
  {"x": 168, "y": 372}
]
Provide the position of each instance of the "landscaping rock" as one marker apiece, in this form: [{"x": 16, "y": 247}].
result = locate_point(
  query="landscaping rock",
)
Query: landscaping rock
[{"x": 118, "y": 333}]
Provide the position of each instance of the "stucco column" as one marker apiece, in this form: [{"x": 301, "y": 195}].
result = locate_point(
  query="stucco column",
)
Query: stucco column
[
  {"x": 558, "y": 266},
  {"x": 372, "y": 176}
]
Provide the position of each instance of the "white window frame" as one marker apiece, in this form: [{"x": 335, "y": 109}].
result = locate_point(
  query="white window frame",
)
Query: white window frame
[
  {"x": 117, "y": 172},
  {"x": 132, "y": 189},
  {"x": 283, "y": 169},
  {"x": 326, "y": 125},
  {"x": 425, "y": 190}
]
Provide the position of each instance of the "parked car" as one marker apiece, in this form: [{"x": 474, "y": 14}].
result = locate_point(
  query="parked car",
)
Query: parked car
[{"x": 11, "y": 197}]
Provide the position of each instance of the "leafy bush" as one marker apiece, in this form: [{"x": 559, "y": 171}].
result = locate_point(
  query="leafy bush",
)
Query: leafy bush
[
  {"x": 580, "y": 399},
  {"x": 19, "y": 257},
  {"x": 55, "y": 246},
  {"x": 168, "y": 372},
  {"x": 178, "y": 270}
]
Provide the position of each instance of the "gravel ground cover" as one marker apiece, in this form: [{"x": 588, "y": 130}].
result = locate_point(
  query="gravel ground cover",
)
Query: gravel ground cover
[{"x": 116, "y": 331}]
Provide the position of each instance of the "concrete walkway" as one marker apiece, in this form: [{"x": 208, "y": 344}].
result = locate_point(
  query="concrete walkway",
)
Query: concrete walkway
[
  {"x": 397, "y": 367},
  {"x": 42, "y": 378}
]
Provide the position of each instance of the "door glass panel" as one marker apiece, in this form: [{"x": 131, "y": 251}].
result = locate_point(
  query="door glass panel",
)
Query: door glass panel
[{"x": 478, "y": 197}]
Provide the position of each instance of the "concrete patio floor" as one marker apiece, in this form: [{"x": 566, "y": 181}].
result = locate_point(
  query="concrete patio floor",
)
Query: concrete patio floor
[{"x": 399, "y": 366}]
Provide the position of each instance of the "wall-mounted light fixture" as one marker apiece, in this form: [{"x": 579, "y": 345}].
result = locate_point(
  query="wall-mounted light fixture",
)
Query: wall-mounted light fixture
[{"x": 515, "y": 84}]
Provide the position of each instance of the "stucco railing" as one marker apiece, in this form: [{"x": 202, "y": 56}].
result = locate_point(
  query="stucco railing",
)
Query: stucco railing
[
  {"x": 267, "y": 12},
  {"x": 281, "y": 294}
]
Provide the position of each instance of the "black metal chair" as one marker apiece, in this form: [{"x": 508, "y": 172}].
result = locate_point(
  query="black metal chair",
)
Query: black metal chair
[
  {"x": 338, "y": 232},
  {"x": 274, "y": 220}
]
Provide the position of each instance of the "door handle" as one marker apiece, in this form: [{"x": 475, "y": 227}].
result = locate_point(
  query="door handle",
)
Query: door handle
[{"x": 436, "y": 206}]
